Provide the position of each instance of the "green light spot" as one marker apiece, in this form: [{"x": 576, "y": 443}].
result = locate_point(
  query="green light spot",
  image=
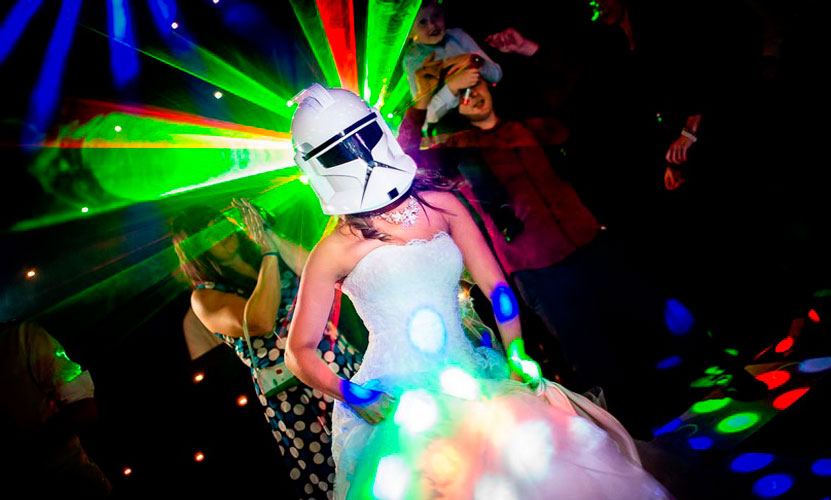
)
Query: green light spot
[
  {"x": 714, "y": 370},
  {"x": 660, "y": 119},
  {"x": 710, "y": 405},
  {"x": 85, "y": 209},
  {"x": 737, "y": 423},
  {"x": 732, "y": 352}
]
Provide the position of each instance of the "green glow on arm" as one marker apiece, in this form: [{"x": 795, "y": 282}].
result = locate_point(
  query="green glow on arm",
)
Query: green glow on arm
[
  {"x": 388, "y": 23},
  {"x": 312, "y": 26}
]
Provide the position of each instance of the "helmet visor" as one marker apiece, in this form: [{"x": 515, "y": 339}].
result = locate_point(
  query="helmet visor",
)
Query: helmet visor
[{"x": 356, "y": 146}]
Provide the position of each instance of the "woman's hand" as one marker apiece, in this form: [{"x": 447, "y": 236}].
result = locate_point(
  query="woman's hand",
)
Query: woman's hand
[
  {"x": 255, "y": 224},
  {"x": 677, "y": 152},
  {"x": 511, "y": 41},
  {"x": 377, "y": 410},
  {"x": 673, "y": 178}
]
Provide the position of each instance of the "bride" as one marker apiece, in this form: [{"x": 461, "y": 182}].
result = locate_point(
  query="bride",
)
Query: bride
[{"x": 428, "y": 414}]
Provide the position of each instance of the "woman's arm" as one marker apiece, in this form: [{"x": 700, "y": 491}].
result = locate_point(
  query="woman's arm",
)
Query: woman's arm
[
  {"x": 479, "y": 261},
  {"x": 222, "y": 312},
  {"x": 314, "y": 303},
  {"x": 293, "y": 254}
]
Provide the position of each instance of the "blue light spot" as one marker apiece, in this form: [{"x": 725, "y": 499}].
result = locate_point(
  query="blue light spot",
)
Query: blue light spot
[
  {"x": 668, "y": 427},
  {"x": 357, "y": 394},
  {"x": 773, "y": 485},
  {"x": 670, "y": 362},
  {"x": 749, "y": 462},
  {"x": 815, "y": 365},
  {"x": 700, "y": 443},
  {"x": 822, "y": 467},
  {"x": 678, "y": 318},
  {"x": 505, "y": 306}
]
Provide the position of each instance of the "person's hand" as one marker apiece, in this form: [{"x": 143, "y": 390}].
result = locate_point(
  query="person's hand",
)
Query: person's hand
[
  {"x": 511, "y": 41},
  {"x": 673, "y": 178},
  {"x": 254, "y": 224},
  {"x": 677, "y": 152},
  {"x": 377, "y": 410},
  {"x": 458, "y": 62},
  {"x": 463, "y": 79},
  {"x": 427, "y": 78}
]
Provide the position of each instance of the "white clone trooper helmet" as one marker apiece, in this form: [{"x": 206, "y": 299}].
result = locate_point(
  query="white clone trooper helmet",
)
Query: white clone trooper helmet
[{"x": 348, "y": 152}]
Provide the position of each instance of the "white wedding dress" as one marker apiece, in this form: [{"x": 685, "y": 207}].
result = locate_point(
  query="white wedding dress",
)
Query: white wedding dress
[{"x": 462, "y": 429}]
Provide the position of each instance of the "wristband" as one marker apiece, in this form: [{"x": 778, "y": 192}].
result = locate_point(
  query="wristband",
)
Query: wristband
[
  {"x": 276, "y": 254},
  {"x": 689, "y": 134}
]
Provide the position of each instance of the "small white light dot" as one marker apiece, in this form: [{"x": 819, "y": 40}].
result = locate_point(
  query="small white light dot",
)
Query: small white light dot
[
  {"x": 389, "y": 115},
  {"x": 174, "y": 25},
  {"x": 289, "y": 103},
  {"x": 218, "y": 94},
  {"x": 31, "y": 273},
  {"x": 118, "y": 128},
  {"x": 216, "y": 1},
  {"x": 85, "y": 209}
]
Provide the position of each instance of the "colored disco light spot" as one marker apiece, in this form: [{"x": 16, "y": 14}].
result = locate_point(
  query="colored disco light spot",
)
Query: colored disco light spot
[
  {"x": 457, "y": 382},
  {"x": 529, "y": 450},
  {"x": 199, "y": 377},
  {"x": 199, "y": 456},
  {"x": 357, "y": 394},
  {"x": 391, "y": 479},
  {"x": 773, "y": 485},
  {"x": 787, "y": 399},
  {"x": 85, "y": 209},
  {"x": 218, "y": 94},
  {"x": 505, "y": 306},
  {"x": 813, "y": 316},
  {"x": 494, "y": 488},
  {"x": 815, "y": 365},
  {"x": 732, "y": 352},
  {"x": 242, "y": 401},
  {"x": 521, "y": 363},
  {"x": 127, "y": 471},
  {"x": 737, "y": 423},
  {"x": 174, "y": 25},
  {"x": 750, "y": 462},
  {"x": 31, "y": 273},
  {"x": 822, "y": 467},
  {"x": 714, "y": 370},
  {"x": 710, "y": 405},
  {"x": 700, "y": 443},
  {"x": 678, "y": 318},
  {"x": 670, "y": 362},
  {"x": 417, "y": 411},
  {"x": 117, "y": 128},
  {"x": 670, "y": 426},
  {"x": 774, "y": 379},
  {"x": 427, "y": 331},
  {"x": 784, "y": 345}
]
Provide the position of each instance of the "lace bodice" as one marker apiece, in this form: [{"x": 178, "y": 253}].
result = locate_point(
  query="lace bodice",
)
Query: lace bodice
[{"x": 407, "y": 296}]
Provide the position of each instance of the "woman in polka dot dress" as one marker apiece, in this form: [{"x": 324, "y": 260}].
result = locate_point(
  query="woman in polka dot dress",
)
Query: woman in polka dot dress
[{"x": 230, "y": 277}]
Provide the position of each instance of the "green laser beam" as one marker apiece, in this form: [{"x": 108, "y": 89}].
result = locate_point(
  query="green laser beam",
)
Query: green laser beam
[
  {"x": 312, "y": 26},
  {"x": 388, "y": 23}
]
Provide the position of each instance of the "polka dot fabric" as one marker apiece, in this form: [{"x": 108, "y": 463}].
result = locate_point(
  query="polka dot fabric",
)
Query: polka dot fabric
[{"x": 300, "y": 418}]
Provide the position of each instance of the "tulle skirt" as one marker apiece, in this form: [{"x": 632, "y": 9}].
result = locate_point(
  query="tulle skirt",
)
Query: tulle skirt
[{"x": 456, "y": 437}]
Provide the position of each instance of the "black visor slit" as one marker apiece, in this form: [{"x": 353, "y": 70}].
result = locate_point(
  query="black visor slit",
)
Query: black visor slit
[{"x": 348, "y": 130}]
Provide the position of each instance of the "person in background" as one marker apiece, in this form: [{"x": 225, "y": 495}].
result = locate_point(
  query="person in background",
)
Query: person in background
[
  {"x": 251, "y": 279},
  {"x": 45, "y": 401},
  {"x": 453, "y": 60}
]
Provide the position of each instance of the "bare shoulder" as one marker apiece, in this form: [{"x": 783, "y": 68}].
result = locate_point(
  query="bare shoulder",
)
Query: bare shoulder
[
  {"x": 446, "y": 201},
  {"x": 333, "y": 254}
]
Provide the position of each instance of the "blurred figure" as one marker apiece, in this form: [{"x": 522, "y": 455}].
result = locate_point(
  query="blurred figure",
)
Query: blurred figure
[
  {"x": 251, "y": 280},
  {"x": 46, "y": 400},
  {"x": 451, "y": 59}
]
